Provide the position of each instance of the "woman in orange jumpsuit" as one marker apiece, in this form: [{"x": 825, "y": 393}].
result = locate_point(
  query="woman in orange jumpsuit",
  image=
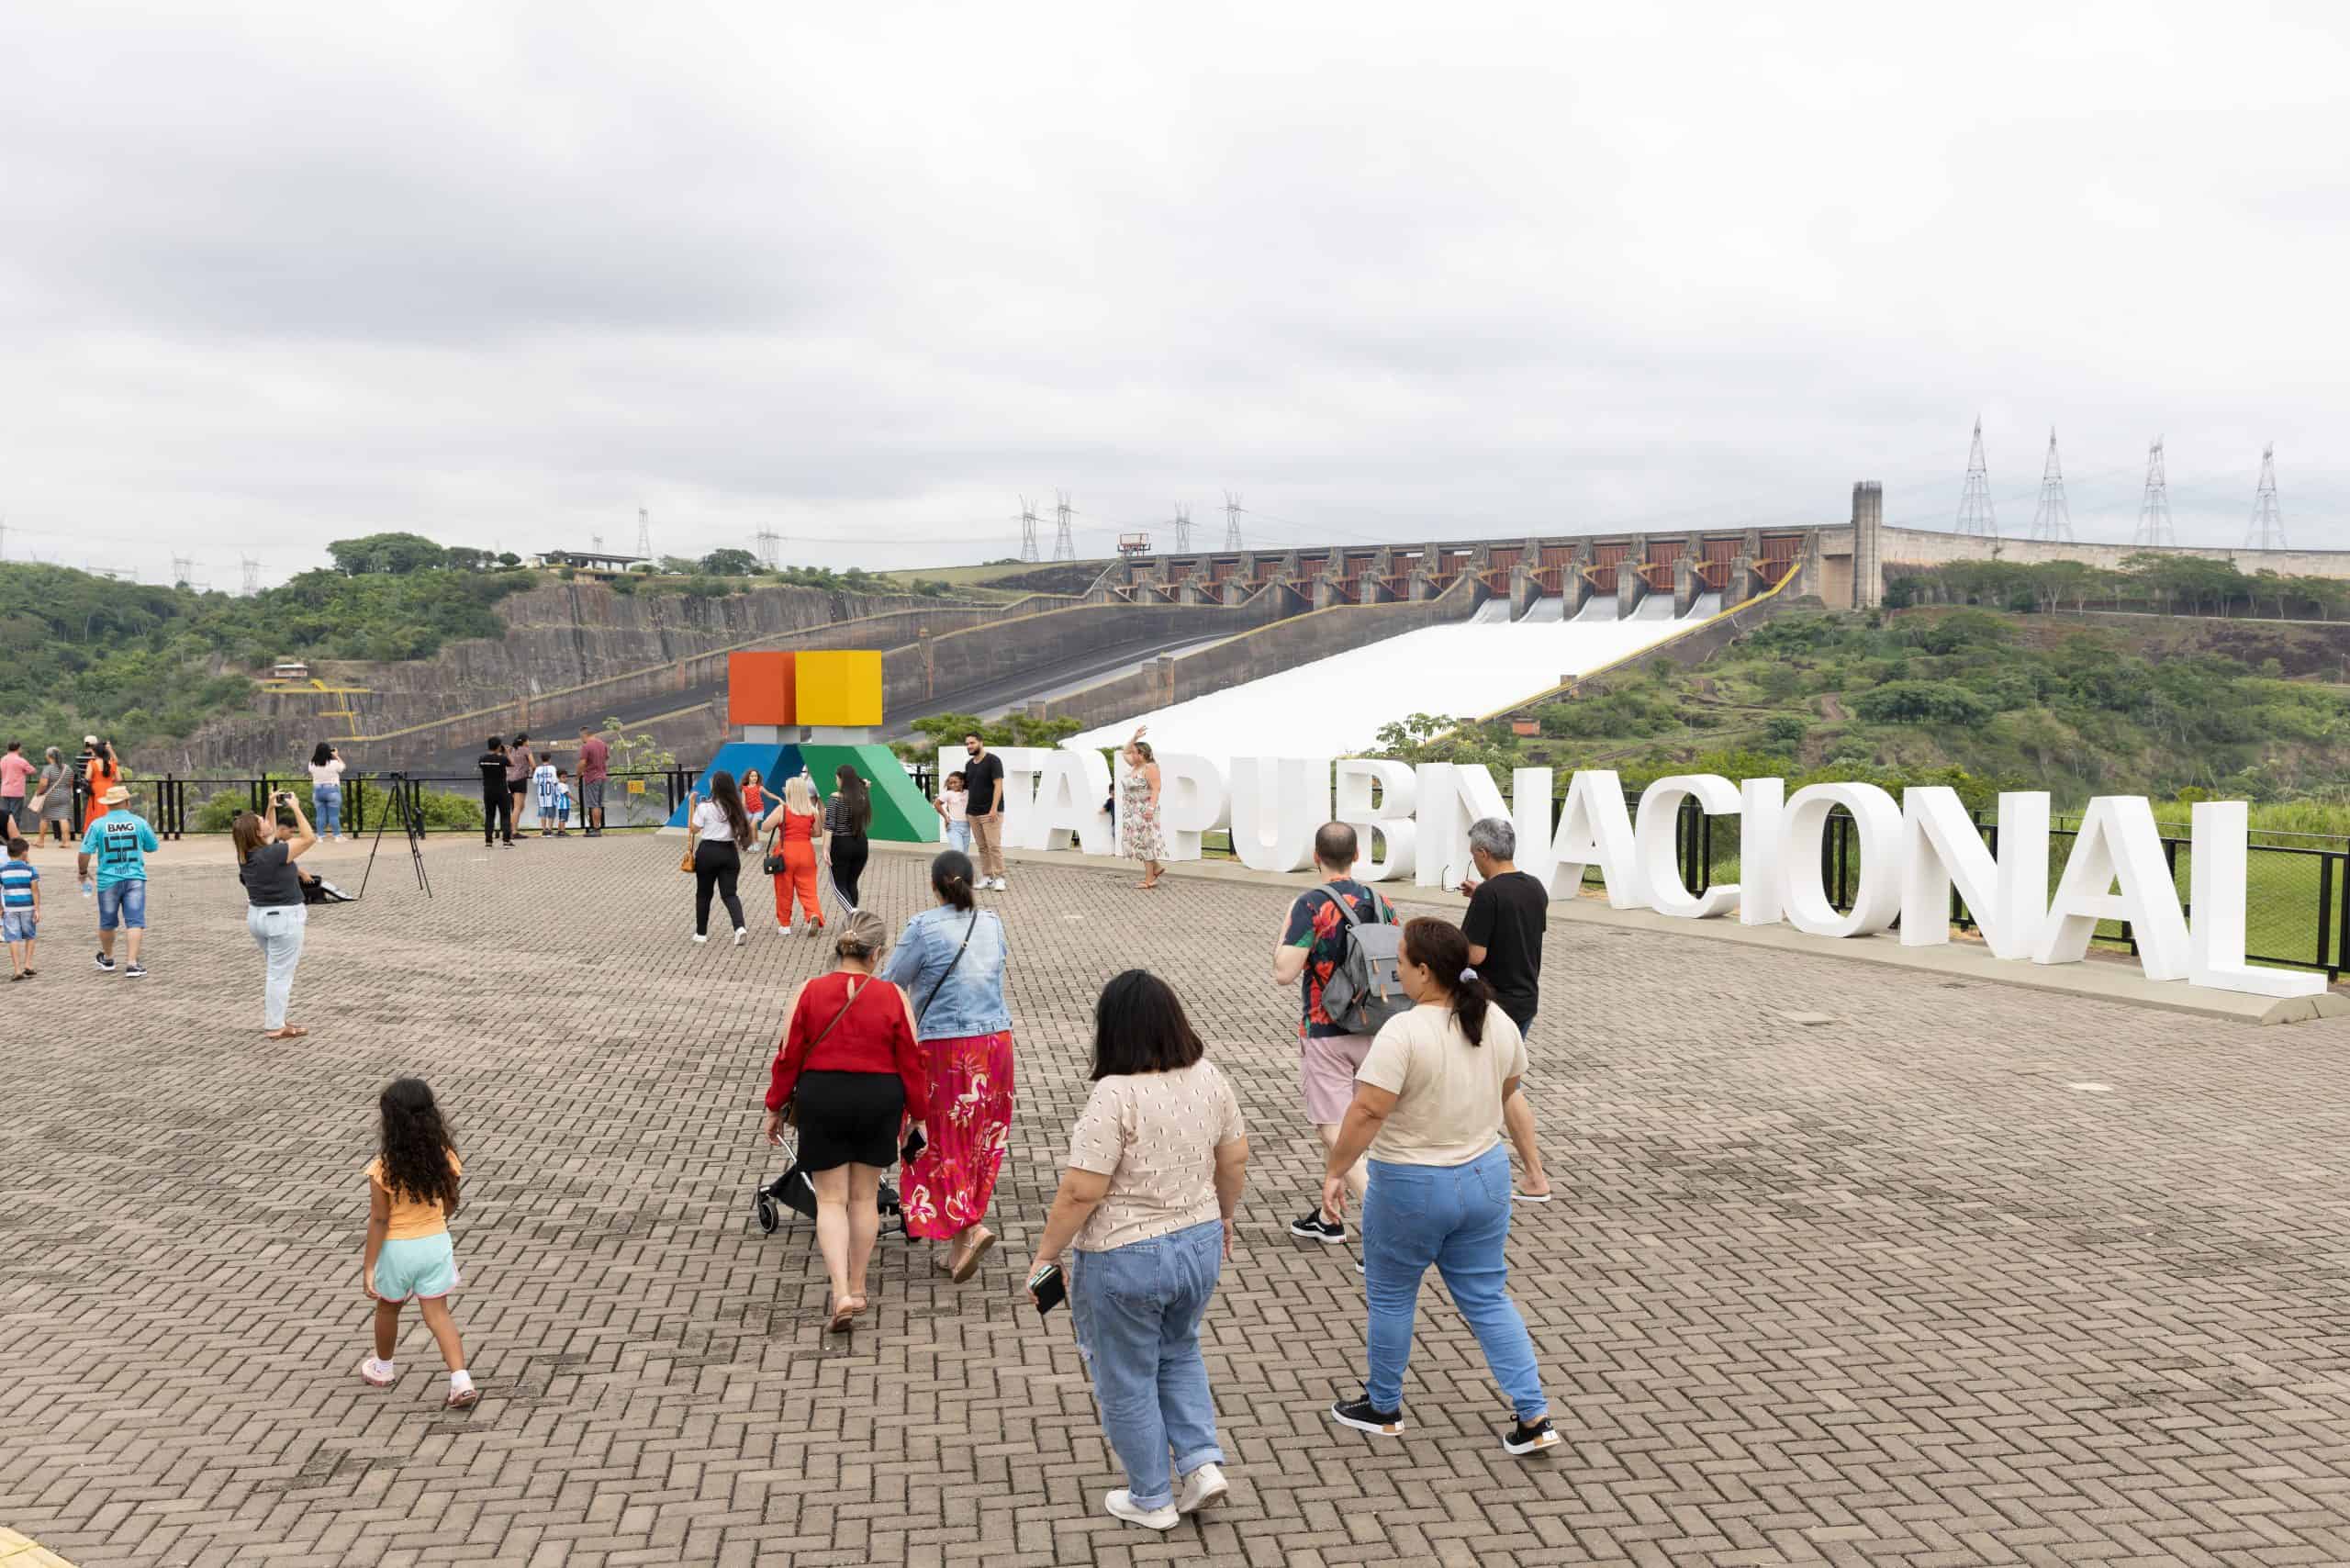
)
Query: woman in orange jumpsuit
[
  {"x": 105, "y": 773},
  {"x": 797, "y": 825}
]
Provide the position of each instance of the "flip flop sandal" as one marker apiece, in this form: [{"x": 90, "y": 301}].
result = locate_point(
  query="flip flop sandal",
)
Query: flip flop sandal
[
  {"x": 462, "y": 1401},
  {"x": 842, "y": 1318},
  {"x": 970, "y": 1263},
  {"x": 1517, "y": 1197}
]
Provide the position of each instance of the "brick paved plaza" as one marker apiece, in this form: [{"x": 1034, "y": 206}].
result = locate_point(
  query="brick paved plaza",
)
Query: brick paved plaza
[{"x": 1966, "y": 1274}]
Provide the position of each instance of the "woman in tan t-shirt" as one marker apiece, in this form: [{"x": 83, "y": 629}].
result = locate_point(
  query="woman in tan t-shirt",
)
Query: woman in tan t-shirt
[
  {"x": 1427, "y": 1100},
  {"x": 1156, "y": 1163}
]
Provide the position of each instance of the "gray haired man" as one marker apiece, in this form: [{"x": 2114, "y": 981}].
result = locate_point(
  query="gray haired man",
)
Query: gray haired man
[{"x": 1508, "y": 912}]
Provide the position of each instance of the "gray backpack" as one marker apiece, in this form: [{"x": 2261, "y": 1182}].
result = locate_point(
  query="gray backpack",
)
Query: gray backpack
[{"x": 1364, "y": 991}]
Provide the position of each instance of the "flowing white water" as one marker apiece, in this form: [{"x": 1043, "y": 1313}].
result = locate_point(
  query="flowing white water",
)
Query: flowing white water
[{"x": 1337, "y": 705}]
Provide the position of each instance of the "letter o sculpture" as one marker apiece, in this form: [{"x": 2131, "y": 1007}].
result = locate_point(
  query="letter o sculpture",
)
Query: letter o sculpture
[{"x": 1877, "y": 820}]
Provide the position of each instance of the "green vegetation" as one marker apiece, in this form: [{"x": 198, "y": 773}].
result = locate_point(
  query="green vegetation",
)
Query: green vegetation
[
  {"x": 1017, "y": 729},
  {"x": 2148, "y": 581},
  {"x": 1970, "y": 697},
  {"x": 443, "y": 812}
]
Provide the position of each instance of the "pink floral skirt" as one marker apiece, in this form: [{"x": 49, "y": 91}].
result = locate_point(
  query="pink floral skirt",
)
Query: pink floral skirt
[{"x": 968, "y": 1122}]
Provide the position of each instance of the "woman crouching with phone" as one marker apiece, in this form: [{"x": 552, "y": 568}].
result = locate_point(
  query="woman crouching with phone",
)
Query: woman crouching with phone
[
  {"x": 1155, "y": 1164},
  {"x": 274, "y": 915}
]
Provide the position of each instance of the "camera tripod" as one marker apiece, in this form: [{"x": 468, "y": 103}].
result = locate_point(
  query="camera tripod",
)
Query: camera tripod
[{"x": 411, "y": 823}]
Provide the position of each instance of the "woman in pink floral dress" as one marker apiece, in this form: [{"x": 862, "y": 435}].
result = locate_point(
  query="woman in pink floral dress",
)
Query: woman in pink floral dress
[
  {"x": 1138, "y": 834},
  {"x": 950, "y": 963}
]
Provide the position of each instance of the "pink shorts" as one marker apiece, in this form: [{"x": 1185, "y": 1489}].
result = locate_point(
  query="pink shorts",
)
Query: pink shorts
[{"x": 1326, "y": 1073}]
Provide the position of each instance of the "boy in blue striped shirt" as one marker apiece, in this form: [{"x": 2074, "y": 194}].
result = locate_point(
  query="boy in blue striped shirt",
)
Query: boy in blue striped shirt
[{"x": 19, "y": 908}]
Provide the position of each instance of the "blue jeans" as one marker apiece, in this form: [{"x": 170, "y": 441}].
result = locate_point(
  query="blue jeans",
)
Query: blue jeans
[
  {"x": 1457, "y": 1217},
  {"x": 958, "y": 836},
  {"x": 329, "y": 807},
  {"x": 1137, "y": 1310},
  {"x": 123, "y": 903}
]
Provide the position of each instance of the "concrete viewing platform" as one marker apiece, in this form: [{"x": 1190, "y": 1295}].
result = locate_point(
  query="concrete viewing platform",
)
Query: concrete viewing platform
[{"x": 1851, "y": 1262}]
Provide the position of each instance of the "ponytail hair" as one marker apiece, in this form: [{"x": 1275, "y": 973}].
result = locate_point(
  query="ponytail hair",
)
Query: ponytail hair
[
  {"x": 950, "y": 878},
  {"x": 1439, "y": 947}
]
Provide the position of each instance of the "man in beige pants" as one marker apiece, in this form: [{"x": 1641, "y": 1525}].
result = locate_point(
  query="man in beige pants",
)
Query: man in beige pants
[{"x": 983, "y": 778}]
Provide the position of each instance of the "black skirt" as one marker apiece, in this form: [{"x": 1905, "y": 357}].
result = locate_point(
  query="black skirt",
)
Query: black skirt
[{"x": 848, "y": 1118}]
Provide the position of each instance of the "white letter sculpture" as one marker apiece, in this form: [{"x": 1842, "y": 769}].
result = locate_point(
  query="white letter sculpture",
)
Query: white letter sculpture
[
  {"x": 1390, "y": 819},
  {"x": 1877, "y": 823},
  {"x": 1761, "y": 803},
  {"x": 1070, "y": 785},
  {"x": 1192, "y": 801},
  {"x": 2216, "y": 873},
  {"x": 1277, "y": 804},
  {"x": 1453, "y": 797},
  {"x": 2007, "y": 896},
  {"x": 1657, "y": 834},
  {"x": 2118, "y": 843},
  {"x": 1594, "y": 829}
]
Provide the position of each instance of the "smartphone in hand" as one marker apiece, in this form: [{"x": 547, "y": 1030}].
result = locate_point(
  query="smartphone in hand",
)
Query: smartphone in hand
[{"x": 1051, "y": 1288}]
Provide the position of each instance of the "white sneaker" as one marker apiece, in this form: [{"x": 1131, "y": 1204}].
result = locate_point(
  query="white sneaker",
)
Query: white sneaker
[
  {"x": 1121, "y": 1506},
  {"x": 783, "y": 930},
  {"x": 1204, "y": 1488},
  {"x": 997, "y": 884},
  {"x": 741, "y": 936},
  {"x": 698, "y": 937}
]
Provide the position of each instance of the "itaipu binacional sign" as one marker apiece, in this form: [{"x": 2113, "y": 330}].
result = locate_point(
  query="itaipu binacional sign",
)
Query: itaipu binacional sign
[{"x": 1414, "y": 823}]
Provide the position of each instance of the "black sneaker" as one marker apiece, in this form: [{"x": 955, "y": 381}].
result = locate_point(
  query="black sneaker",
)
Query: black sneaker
[
  {"x": 1524, "y": 1440},
  {"x": 1359, "y": 1414},
  {"x": 103, "y": 963},
  {"x": 136, "y": 971},
  {"x": 1312, "y": 1226}
]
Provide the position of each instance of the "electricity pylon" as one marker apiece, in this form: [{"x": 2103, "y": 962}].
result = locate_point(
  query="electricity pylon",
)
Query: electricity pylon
[
  {"x": 2053, "y": 521},
  {"x": 2267, "y": 529},
  {"x": 1975, "y": 501},
  {"x": 2154, "y": 507}
]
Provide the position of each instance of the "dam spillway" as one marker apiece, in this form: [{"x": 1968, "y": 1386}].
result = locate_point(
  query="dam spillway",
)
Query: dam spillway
[{"x": 1334, "y": 707}]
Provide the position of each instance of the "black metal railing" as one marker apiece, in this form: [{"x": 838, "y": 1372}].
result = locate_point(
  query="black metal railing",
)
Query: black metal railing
[{"x": 178, "y": 806}]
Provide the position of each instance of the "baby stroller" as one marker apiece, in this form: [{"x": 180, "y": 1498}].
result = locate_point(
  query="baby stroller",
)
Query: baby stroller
[{"x": 793, "y": 1191}]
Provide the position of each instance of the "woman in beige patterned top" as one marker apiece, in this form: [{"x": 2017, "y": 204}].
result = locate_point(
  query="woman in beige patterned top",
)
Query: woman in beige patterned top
[{"x": 1155, "y": 1164}]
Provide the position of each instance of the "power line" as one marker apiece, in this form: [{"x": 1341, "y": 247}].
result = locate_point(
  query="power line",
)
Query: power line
[
  {"x": 1974, "y": 515},
  {"x": 2267, "y": 529},
  {"x": 2154, "y": 507},
  {"x": 770, "y": 547},
  {"x": 2053, "y": 521}
]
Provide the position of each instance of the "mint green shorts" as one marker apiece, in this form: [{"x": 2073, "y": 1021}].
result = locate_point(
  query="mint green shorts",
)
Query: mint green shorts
[{"x": 416, "y": 1267}]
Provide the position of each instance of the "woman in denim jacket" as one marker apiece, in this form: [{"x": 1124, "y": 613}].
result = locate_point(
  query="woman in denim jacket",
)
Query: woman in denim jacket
[{"x": 950, "y": 961}]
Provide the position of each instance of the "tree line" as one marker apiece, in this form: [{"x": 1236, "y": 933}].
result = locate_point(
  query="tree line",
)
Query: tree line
[{"x": 2149, "y": 579}]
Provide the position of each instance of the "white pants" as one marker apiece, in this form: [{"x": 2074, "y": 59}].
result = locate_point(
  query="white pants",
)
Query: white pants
[{"x": 278, "y": 928}]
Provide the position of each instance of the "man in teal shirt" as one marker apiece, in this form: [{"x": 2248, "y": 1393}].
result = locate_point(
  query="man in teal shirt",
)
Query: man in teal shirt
[{"x": 120, "y": 844}]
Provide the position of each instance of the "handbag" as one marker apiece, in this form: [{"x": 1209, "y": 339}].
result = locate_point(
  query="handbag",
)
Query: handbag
[
  {"x": 773, "y": 864},
  {"x": 923, "y": 1011},
  {"x": 687, "y": 863},
  {"x": 791, "y": 1106}
]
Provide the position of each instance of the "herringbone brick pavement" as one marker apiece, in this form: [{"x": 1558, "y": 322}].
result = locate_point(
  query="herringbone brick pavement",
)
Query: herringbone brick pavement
[{"x": 1967, "y": 1275}]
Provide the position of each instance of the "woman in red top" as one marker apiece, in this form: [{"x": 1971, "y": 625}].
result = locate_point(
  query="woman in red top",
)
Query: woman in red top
[{"x": 849, "y": 1067}]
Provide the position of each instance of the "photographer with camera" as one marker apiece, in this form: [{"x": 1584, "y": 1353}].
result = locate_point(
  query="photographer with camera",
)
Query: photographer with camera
[{"x": 267, "y": 847}]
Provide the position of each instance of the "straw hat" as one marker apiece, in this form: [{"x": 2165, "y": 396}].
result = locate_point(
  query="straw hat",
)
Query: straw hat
[{"x": 114, "y": 796}]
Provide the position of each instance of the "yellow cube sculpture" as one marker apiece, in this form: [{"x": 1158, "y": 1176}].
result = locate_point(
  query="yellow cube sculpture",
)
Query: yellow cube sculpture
[{"x": 837, "y": 688}]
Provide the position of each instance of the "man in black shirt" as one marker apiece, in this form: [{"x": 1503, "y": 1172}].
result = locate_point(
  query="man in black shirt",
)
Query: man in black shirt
[
  {"x": 496, "y": 804},
  {"x": 983, "y": 808},
  {"x": 1508, "y": 912}
]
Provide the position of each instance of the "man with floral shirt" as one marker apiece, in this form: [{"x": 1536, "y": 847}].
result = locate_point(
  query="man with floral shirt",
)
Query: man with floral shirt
[{"x": 1312, "y": 943}]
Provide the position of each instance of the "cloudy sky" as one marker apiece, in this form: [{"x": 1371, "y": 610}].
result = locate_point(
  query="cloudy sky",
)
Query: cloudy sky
[{"x": 868, "y": 274}]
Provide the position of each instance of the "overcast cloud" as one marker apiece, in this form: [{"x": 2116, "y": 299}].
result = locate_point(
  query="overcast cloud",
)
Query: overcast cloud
[{"x": 865, "y": 275}]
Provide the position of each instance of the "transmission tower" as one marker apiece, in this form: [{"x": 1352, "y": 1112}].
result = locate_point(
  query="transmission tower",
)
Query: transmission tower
[
  {"x": 1231, "y": 520},
  {"x": 2053, "y": 521},
  {"x": 1028, "y": 531},
  {"x": 1064, "y": 543},
  {"x": 2266, "y": 531},
  {"x": 643, "y": 533},
  {"x": 770, "y": 545},
  {"x": 252, "y": 576},
  {"x": 183, "y": 570},
  {"x": 2154, "y": 510},
  {"x": 1975, "y": 501},
  {"x": 1182, "y": 530}
]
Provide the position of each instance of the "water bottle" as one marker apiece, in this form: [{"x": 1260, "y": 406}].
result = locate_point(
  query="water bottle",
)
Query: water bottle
[{"x": 88, "y": 886}]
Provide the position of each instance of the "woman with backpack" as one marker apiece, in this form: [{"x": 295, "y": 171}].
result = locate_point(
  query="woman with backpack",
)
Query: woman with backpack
[
  {"x": 950, "y": 961},
  {"x": 846, "y": 1074}
]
